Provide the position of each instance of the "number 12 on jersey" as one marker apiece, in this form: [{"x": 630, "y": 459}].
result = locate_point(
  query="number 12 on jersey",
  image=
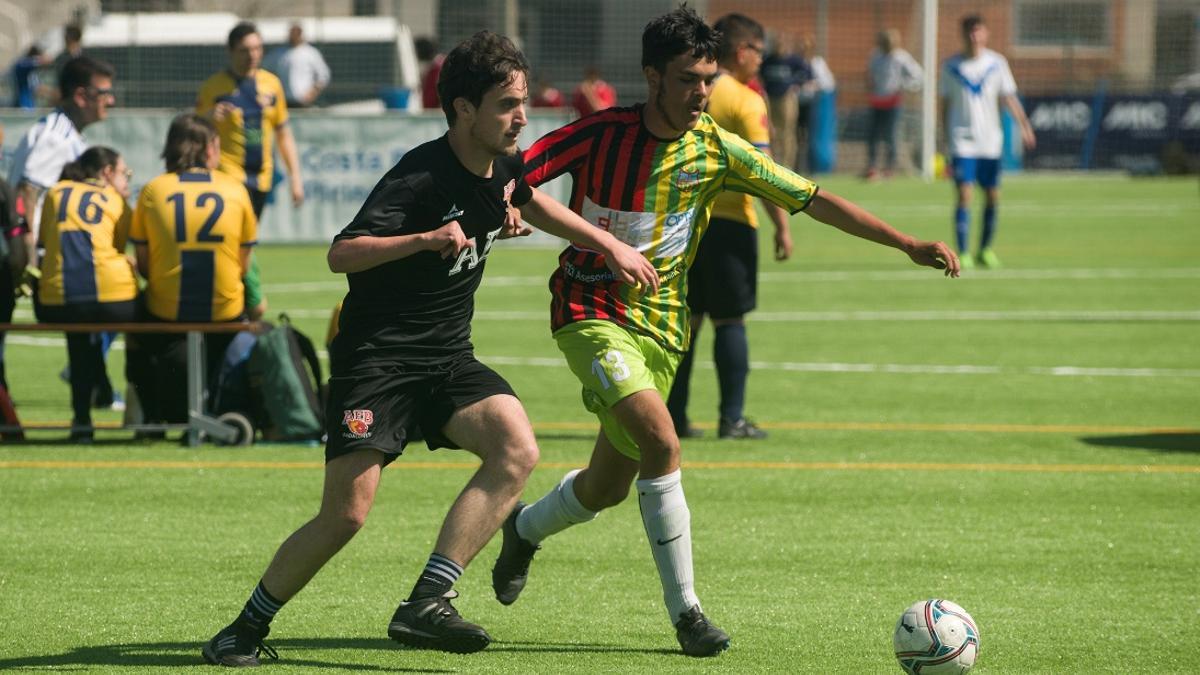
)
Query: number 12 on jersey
[{"x": 205, "y": 234}]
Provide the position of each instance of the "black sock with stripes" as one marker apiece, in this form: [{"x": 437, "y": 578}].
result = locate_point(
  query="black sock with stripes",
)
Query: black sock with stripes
[
  {"x": 438, "y": 577},
  {"x": 261, "y": 607}
]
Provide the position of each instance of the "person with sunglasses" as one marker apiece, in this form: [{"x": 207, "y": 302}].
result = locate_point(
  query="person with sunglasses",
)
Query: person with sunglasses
[{"x": 86, "y": 89}]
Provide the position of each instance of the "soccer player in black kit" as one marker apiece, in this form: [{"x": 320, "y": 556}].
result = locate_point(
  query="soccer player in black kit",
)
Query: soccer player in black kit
[{"x": 403, "y": 361}]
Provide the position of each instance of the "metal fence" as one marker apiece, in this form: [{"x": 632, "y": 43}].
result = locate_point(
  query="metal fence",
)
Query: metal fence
[{"x": 1063, "y": 53}]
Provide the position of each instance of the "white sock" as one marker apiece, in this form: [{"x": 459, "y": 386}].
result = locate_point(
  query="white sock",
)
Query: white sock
[
  {"x": 557, "y": 510},
  {"x": 669, "y": 528}
]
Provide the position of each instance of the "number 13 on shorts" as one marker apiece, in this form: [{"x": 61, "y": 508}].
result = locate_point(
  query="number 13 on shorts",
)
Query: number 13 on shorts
[{"x": 609, "y": 368}]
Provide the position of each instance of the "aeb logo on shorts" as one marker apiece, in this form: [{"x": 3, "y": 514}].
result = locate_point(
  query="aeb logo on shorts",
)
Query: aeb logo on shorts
[{"x": 358, "y": 422}]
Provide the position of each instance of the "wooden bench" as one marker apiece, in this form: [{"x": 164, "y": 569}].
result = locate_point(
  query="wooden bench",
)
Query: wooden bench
[{"x": 199, "y": 423}]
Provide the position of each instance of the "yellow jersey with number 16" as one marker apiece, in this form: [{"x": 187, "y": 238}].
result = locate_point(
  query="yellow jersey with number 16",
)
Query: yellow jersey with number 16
[
  {"x": 84, "y": 229},
  {"x": 196, "y": 224}
]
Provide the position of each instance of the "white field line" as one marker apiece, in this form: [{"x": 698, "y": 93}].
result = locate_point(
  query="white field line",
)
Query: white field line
[
  {"x": 834, "y": 275},
  {"x": 896, "y": 315},
  {"x": 886, "y": 368}
]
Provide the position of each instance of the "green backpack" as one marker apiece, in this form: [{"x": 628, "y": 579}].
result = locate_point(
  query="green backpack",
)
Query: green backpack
[{"x": 286, "y": 385}]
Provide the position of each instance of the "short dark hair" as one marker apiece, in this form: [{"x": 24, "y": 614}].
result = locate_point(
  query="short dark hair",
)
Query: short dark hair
[
  {"x": 679, "y": 32},
  {"x": 970, "y": 22},
  {"x": 187, "y": 142},
  {"x": 79, "y": 71},
  {"x": 72, "y": 32},
  {"x": 240, "y": 31},
  {"x": 89, "y": 165},
  {"x": 477, "y": 64},
  {"x": 736, "y": 29}
]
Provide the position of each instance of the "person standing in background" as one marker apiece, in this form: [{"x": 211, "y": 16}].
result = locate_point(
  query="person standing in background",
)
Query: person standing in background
[
  {"x": 593, "y": 93},
  {"x": 250, "y": 111},
  {"x": 300, "y": 68},
  {"x": 86, "y": 92},
  {"x": 72, "y": 48},
  {"x": 890, "y": 72},
  {"x": 818, "y": 79},
  {"x": 723, "y": 280},
  {"x": 973, "y": 84},
  {"x": 431, "y": 69},
  {"x": 782, "y": 73},
  {"x": 25, "y": 78}
]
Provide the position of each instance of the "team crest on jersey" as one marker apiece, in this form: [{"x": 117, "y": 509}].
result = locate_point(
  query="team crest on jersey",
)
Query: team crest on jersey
[
  {"x": 687, "y": 178},
  {"x": 509, "y": 189},
  {"x": 358, "y": 423},
  {"x": 266, "y": 100}
]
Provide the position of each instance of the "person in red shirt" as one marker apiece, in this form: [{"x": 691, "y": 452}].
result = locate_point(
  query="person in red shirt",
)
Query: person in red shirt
[
  {"x": 593, "y": 93},
  {"x": 546, "y": 96},
  {"x": 431, "y": 66}
]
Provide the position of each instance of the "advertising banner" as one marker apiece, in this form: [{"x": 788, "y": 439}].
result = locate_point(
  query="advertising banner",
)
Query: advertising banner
[{"x": 341, "y": 159}]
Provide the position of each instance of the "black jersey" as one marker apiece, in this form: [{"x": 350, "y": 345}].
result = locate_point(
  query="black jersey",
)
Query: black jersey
[{"x": 419, "y": 308}]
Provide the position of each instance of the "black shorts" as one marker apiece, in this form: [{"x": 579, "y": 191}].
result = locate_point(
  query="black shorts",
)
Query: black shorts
[
  {"x": 386, "y": 406},
  {"x": 258, "y": 199},
  {"x": 723, "y": 280}
]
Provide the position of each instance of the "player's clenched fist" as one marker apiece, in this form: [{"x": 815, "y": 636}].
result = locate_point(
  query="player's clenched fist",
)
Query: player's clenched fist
[{"x": 448, "y": 240}]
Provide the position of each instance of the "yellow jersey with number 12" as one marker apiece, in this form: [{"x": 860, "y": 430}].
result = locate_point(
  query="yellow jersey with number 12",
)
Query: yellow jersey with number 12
[{"x": 196, "y": 224}]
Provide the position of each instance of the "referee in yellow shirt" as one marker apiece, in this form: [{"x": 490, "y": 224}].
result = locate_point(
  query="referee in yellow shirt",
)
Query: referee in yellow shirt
[
  {"x": 193, "y": 229},
  {"x": 723, "y": 281},
  {"x": 86, "y": 277}
]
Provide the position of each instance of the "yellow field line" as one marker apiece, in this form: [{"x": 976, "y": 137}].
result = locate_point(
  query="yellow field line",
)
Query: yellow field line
[
  {"x": 791, "y": 466},
  {"x": 824, "y": 426},
  {"x": 916, "y": 426}
]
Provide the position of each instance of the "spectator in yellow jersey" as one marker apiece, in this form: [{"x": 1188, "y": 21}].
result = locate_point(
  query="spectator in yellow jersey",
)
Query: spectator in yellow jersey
[
  {"x": 723, "y": 280},
  {"x": 250, "y": 110},
  {"x": 86, "y": 276},
  {"x": 192, "y": 230}
]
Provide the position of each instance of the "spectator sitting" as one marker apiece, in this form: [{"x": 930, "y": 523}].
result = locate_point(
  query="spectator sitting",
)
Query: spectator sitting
[
  {"x": 192, "y": 229},
  {"x": 86, "y": 277},
  {"x": 593, "y": 93}
]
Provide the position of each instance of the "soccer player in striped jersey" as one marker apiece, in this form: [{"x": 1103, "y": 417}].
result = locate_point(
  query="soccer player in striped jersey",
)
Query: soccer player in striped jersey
[
  {"x": 649, "y": 175},
  {"x": 250, "y": 110},
  {"x": 192, "y": 231},
  {"x": 86, "y": 277}
]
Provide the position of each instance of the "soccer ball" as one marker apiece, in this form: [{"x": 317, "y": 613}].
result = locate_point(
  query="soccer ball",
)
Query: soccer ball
[{"x": 934, "y": 637}]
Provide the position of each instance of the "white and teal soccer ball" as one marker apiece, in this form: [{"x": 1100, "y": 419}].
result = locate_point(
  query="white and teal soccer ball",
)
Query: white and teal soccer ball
[{"x": 934, "y": 637}]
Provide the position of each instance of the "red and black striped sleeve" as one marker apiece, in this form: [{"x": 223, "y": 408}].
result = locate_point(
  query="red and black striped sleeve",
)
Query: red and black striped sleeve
[{"x": 567, "y": 148}]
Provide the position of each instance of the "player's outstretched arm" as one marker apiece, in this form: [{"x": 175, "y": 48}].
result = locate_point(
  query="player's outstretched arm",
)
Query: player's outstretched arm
[
  {"x": 626, "y": 262},
  {"x": 853, "y": 219},
  {"x": 361, "y": 253}
]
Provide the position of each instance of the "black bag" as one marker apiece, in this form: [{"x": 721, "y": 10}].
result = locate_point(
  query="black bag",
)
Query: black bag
[{"x": 286, "y": 384}]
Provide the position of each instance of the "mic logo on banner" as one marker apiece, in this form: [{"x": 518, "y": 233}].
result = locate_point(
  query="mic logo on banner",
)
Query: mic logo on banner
[
  {"x": 1191, "y": 117},
  {"x": 1061, "y": 116},
  {"x": 1137, "y": 116}
]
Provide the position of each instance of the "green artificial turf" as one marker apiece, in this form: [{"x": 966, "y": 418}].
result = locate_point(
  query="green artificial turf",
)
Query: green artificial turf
[{"x": 1024, "y": 442}]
